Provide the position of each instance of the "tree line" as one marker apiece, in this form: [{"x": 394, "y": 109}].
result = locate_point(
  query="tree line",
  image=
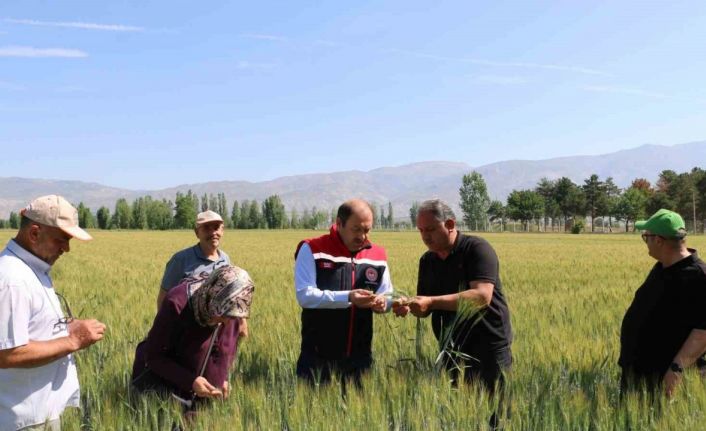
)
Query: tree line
[
  {"x": 558, "y": 205},
  {"x": 148, "y": 213},
  {"x": 562, "y": 205}
]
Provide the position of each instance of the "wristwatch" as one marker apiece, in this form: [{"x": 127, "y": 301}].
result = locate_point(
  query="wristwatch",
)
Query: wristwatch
[{"x": 675, "y": 367}]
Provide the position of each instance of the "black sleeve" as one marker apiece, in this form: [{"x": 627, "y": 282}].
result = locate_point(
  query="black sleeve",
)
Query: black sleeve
[
  {"x": 422, "y": 287},
  {"x": 700, "y": 309},
  {"x": 481, "y": 263}
]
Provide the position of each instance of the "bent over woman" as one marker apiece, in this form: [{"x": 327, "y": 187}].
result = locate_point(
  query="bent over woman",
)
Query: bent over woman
[{"x": 194, "y": 337}]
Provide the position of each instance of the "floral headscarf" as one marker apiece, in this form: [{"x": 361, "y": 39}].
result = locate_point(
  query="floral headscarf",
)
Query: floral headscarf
[{"x": 226, "y": 292}]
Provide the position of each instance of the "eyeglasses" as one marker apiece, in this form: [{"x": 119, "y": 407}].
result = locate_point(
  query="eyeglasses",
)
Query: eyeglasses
[
  {"x": 647, "y": 235},
  {"x": 65, "y": 305}
]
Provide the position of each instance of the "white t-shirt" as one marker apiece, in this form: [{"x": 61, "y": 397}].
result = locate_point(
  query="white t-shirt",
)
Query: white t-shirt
[{"x": 30, "y": 310}]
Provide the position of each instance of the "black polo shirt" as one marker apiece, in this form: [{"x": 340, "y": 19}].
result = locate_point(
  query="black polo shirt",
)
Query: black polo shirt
[
  {"x": 666, "y": 308},
  {"x": 471, "y": 259}
]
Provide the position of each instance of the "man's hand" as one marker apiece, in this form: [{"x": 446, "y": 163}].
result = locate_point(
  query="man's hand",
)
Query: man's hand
[
  {"x": 420, "y": 306},
  {"x": 361, "y": 298},
  {"x": 243, "y": 327},
  {"x": 226, "y": 389},
  {"x": 670, "y": 381},
  {"x": 202, "y": 388},
  {"x": 400, "y": 306},
  {"x": 83, "y": 333},
  {"x": 379, "y": 304}
]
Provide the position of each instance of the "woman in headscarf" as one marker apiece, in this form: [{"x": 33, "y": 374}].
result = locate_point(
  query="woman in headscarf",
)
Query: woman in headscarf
[{"x": 194, "y": 337}]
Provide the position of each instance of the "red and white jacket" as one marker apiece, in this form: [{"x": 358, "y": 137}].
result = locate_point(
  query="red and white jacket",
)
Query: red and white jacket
[{"x": 332, "y": 328}]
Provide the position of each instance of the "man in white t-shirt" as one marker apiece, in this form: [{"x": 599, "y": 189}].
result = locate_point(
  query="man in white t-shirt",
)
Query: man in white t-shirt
[{"x": 38, "y": 378}]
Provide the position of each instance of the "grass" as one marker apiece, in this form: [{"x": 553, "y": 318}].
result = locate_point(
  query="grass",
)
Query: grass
[{"x": 567, "y": 295}]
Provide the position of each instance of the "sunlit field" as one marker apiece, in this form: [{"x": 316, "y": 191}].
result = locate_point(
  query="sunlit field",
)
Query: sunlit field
[{"x": 567, "y": 295}]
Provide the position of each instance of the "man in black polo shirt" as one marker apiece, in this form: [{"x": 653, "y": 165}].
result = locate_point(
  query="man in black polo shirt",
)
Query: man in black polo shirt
[
  {"x": 664, "y": 329},
  {"x": 457, "y": 274}
]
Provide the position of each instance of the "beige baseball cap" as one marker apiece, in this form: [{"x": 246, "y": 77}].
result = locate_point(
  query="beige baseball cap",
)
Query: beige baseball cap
[
  {"x": 55, "y": 211},
  {"x": 207, "y": 217}
]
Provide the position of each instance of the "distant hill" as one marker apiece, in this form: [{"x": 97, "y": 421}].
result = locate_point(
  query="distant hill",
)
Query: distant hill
[{"x": 400, "y": 185}]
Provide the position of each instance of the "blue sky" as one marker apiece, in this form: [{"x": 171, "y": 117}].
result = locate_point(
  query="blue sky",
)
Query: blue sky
[{"x": 150, "y": 94}]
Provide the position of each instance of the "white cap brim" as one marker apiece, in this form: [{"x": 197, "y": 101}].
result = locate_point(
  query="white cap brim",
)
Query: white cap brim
[{"x": 77, "y": 233}]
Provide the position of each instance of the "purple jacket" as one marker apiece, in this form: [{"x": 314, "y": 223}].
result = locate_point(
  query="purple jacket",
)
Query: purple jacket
[{"x": 176, "y": 346}]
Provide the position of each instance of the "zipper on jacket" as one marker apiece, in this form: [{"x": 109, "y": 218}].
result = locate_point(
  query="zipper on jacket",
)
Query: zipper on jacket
[{"x": 349, "y": 347}]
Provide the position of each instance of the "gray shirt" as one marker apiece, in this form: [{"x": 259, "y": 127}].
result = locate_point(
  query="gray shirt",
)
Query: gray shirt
[{"x": 188, "y": 262}]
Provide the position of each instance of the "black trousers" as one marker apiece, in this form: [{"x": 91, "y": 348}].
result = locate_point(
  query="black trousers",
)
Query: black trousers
[
  {"x": 478, "y": 364},
  {"x": 634, "y": 381},
  {"x": 482, "y": 365}
]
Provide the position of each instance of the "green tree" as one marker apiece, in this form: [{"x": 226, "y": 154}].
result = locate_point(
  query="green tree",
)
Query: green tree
[
  {"x": 103, "y": 218},
  {"x": 612, "y": 197},
  {"x": 497, "y": 212},
  {"x": 474, "y": 201},
  {"x": 204, "y": 202},
  {"x": 547, "y": 189},
  {"x": 159, "y": 214},
  {"x": 413, "y": 211},
  {"x": 235, "y": 215},
  {"x": 390, "y": 217},
  {"x": 122, "y": 214},
  {"x": 294, "y": 221},
  {"x": 659, "y": 200},
  {"x": 274, "y": 212},
  {"x": 223, "y": 207},
  {"x": 570, "y": 199},
  {"x": 665, "y": 182},
  {"x": 255, "y": 219},
  {"x": 186, "y": 208},
  {"x": 376, "y": 216},
  {"x": 213, "y": 204},
  {"x": 85, "y": 217},
  {"x": 139, "y": 213},
  {"x": 244, "y": 221},
  {"x": 596, "y": 198},
  {"x": 525, "y": 205},
  {"x": 700, "y": 190},
  {"x": 631, "y": 206},
  {"x": 14, "y": 220}
]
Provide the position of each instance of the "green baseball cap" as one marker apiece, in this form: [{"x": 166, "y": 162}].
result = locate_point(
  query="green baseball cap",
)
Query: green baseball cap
[{"x": 664, "y": 223}]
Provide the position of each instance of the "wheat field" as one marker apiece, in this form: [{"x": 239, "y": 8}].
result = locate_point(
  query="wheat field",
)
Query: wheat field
[{"x": 567, "y": 295}]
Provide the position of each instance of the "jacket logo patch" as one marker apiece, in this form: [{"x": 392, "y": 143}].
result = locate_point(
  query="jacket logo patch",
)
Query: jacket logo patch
[
  {"x": 371, "y": 274},
  {"x": 326, "y": 265}
]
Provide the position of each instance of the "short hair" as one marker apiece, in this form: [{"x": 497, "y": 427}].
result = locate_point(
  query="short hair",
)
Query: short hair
[
  {"x": 438, "y": 208},
  {"x": 676, "y": 243},
  {"x": 346, "y": 210},
  {"x": 25, "y": 222}
]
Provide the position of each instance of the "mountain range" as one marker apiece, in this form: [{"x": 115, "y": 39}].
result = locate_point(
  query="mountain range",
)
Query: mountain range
[{"x": 400, "y": 185}]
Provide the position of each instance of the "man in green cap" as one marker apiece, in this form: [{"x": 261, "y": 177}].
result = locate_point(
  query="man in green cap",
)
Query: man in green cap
[{"x": 664, "y": 329}]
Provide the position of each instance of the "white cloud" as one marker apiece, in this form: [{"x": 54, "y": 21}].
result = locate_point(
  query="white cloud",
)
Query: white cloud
[
  {"x": 80, "y": 25},
  {"x": 31, "y": 52},
  {"x": 515, "y": 64},
  {"x": 264, "y": 37}
]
